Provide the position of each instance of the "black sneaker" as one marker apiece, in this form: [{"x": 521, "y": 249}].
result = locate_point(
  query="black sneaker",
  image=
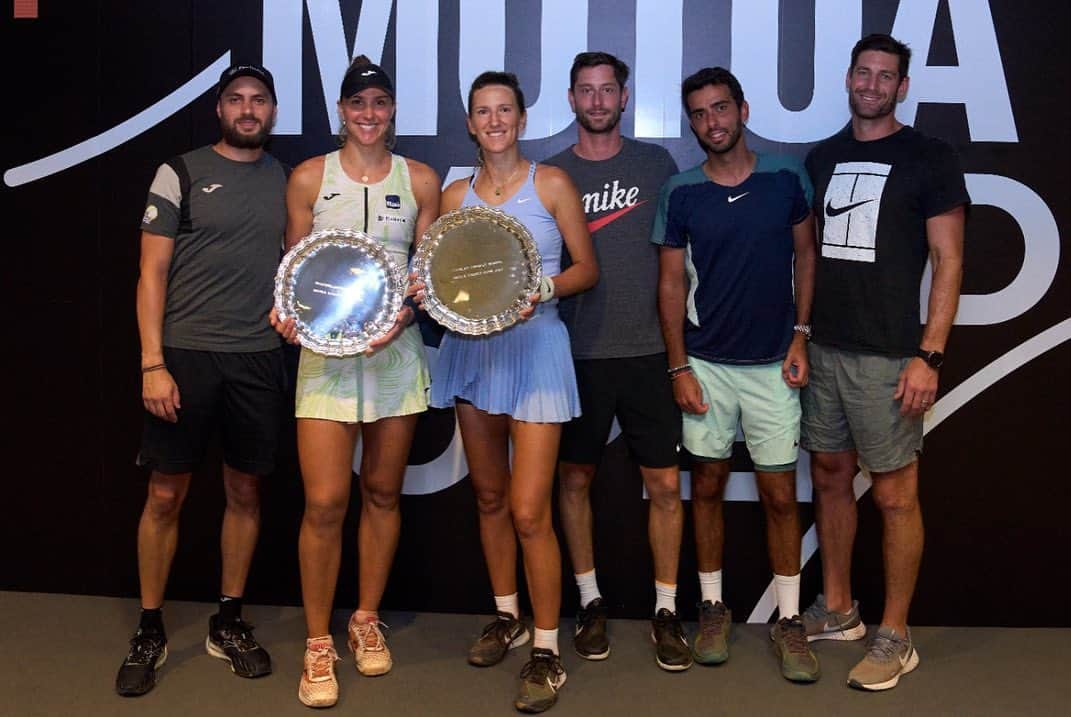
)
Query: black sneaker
[
  {"x": 137, "y": 674},
  {"x": 541, "y": 678},
  {"x": 671, "y": 646},
  {"x": 234, "y": 642},
  {"x": 590, "y": 640},
  {"x": 500, "y": 636}
]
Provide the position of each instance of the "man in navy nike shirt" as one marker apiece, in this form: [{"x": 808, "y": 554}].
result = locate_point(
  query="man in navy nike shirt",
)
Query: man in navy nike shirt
[{"x": 736, "y": 281}]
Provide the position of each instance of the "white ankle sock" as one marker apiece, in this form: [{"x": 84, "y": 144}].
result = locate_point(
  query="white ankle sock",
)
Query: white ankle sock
[
  {"x": 589, "y": 587},
  {"x": 665, "y": 597},
  {"x": 546, "y": 639},
  {"x": 787, "y": 589},
  {"x": 509, "y": 603},
  {"x": 710, "y": 586}
]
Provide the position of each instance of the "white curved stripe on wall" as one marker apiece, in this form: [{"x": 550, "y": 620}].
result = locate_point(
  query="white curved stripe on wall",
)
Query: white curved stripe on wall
[{"x": 112, "y": 138}]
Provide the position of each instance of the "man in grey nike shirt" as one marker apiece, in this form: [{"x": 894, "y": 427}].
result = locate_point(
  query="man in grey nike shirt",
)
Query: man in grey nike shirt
[{"x": 618, "y": 351}]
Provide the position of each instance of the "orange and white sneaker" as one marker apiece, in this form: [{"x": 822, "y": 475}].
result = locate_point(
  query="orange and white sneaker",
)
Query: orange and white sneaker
[
  {"x": 369, "y": 647},
  {"x": 319, "y": 687}
]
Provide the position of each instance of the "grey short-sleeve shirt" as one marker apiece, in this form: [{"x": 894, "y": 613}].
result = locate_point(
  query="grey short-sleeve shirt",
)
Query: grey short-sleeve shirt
[
  {"x": 618, "y": 317},
  {"x": 228, "y": 233}
]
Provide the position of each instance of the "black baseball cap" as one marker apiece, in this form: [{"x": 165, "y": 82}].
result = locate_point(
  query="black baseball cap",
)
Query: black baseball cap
[
  {"x": 361, "y": 77},
  {"x": 257, "y": 72}
]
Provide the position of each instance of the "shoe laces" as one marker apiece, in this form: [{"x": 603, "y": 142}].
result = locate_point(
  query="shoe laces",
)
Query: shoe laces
[
  {"x": 369, "y": 636},
  {"x": 320, "y": 663},
  {"x": 711, "y": 619},
  {"x": 794, "y": 636},
  {"x": 884, "y": 648},
  {"x": 240, "y": 634},
  {"x": 501, "y": 628},
  {"x": 587, "y": 616},
  {"x": 144, "y": 648},
  {"x": 670, "y": 622},
  {"x": 541, "y": 667}
]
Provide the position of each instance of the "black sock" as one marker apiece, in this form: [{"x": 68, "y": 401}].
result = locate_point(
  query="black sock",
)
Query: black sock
[
  {"x": 230, "y": 608},
  {"x": 151, "y": 621}
]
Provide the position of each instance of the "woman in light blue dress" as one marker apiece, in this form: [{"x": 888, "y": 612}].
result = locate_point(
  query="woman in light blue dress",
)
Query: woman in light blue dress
[{"x": 518, "y": 385}]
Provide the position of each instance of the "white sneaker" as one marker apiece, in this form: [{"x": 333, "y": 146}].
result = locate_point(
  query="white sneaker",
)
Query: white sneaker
[
  {"x": 319, "y": 687},
  {"x": 369, "y": 647}
]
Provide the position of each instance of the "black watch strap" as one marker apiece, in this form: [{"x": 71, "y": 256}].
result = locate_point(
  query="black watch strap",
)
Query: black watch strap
[{"x": 933, "y": 359}]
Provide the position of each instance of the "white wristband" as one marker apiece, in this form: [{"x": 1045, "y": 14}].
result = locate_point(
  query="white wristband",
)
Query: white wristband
[{"x": 546, "y": 289}]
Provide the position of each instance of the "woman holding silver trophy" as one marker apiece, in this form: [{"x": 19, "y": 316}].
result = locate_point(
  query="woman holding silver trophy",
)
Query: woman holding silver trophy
[
  {"x": 376, "y": 395},
  {"x": 512, "y": 383}
]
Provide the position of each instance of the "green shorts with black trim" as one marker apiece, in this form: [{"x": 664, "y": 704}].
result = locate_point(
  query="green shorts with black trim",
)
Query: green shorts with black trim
[{"x": 754, "y": 398}]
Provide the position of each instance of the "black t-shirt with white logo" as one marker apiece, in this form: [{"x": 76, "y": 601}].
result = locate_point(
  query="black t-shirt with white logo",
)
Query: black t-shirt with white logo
[{"x": 872, "y": 200}]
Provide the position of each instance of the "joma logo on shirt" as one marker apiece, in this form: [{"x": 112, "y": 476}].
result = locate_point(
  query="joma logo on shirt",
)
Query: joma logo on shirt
[{"x": 612, "y": 196}]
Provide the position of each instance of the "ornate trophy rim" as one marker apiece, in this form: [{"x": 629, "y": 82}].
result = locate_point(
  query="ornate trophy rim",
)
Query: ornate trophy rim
[
  {"x": 381, "y": 321},
  {"x": 433, "y": 303}
]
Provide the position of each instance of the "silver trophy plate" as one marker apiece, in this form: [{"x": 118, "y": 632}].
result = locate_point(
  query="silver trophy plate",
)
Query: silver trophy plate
[
  {"x": 342, "y": 288},
  {"x": 479, "y": 266}
]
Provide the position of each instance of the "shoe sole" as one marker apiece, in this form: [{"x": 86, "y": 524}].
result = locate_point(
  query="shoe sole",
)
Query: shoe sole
[
  {"x": 155, "y": 680},
  {"x": 321, "y": 704},
  {"x": 540, "y": 706},
  {"x": 911, "y": 664},
  {"x": 717, "y": 660},
  {"x": 516, "y": 642},
  {"x": 593, "y": 656},
  {"x": 852, "y": 633},
  {"x": 214, "y": 651},
  {"x": 666, "y": 666}
]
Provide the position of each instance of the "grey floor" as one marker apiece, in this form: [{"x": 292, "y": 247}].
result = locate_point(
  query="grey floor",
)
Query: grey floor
[{"x": 59, "y": 654}]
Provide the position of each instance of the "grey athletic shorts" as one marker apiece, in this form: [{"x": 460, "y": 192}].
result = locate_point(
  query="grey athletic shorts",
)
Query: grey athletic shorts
[{"x": 848, "y": 405}]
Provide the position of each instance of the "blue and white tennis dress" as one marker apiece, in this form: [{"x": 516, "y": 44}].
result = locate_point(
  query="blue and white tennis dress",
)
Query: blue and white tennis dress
[{"x": 525, "y": 371}]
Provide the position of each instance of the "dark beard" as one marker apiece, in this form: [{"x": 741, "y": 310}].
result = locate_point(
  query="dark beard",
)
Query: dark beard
[
  {"x": 583, "y": 122},
  {"x": 238, "y": 140},
  {"x": 882, "y": 111}
]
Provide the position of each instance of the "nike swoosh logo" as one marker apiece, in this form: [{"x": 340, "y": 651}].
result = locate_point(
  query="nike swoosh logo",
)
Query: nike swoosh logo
[
  {"x": 738, "y": 196},
  {"x": 597, "y": 224},
  {"x": 332, "y": 195},
  {"x": 522, "y": 201},
  {"x": 832, "y": 211},
  {"x": 211, "y": 188}
]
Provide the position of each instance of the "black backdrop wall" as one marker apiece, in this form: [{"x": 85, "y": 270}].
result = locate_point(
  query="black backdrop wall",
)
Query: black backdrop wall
[{"x": 99, "y": 93}]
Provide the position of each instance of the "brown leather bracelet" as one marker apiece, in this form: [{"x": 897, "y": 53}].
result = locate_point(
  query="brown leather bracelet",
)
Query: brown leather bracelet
[{"x": 154, "y": 367}]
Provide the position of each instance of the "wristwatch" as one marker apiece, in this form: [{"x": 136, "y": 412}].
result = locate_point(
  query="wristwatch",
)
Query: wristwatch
[
  {"x": 933, "y": 359},
  {"x": 804, "y": 329}
]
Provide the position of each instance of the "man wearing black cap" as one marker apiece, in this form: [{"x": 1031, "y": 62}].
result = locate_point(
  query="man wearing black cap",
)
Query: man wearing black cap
[{"x": 210, "y": 241}]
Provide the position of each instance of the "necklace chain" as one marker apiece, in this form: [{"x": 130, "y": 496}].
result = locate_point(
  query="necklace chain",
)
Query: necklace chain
[{"x": 499, "y": 187}]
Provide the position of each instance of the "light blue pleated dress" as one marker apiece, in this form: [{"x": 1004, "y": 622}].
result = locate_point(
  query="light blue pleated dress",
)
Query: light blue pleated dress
[{"x": 525, "y": 371}]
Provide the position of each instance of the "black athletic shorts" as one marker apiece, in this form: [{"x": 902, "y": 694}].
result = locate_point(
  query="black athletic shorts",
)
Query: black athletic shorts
[
  {"x": 242, "y": 395},
  {"x": 638, "y": 392}
]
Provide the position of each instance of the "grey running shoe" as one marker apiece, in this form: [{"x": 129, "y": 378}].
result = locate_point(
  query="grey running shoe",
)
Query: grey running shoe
[
  {"x": 671, "y": 644},
  {"x": 541, "y": 678},
  {"x": 798, "y": 663},
  {"x": 137, "y": 674},
  {"x": 821, "y": 623},
  {"x": 711, "y": 645},
  {"x": 590, "y": 640},
  {"x": 887, "y": 657},
  {"x": 234, "y": 642},
  {"x": 499, "y": 637}
]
